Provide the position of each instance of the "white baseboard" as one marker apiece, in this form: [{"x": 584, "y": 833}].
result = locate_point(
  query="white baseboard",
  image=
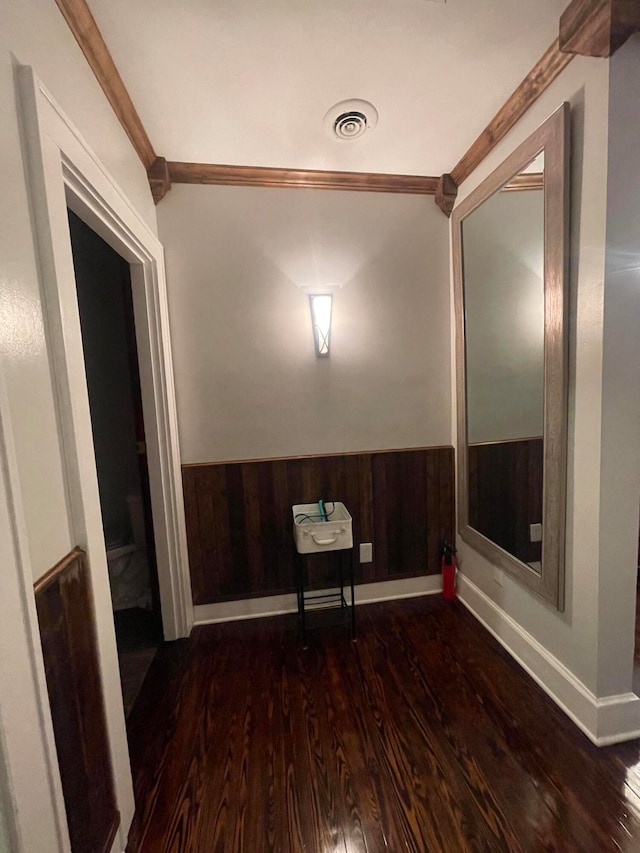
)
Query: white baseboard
[
  {"x": 275, "y": 605},
  {"x": 605, "y": 720}
]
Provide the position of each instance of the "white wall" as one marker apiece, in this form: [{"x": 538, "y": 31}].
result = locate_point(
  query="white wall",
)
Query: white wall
[
  {"x": 33, "y": 32},
  {"x": 587, "y": 651},
  {"x": 620, "y": 456},
  {"x": 248, "y": 382},
  {"x": 503, "y": 245},
  {"x": 572, "y": 636}
]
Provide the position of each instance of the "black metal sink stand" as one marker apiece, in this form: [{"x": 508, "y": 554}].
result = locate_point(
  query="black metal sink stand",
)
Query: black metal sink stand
[{"x": 328, "y": 600}]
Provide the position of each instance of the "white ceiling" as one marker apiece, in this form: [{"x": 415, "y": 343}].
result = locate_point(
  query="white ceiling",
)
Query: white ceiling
[{"x": 248, "y": 82}]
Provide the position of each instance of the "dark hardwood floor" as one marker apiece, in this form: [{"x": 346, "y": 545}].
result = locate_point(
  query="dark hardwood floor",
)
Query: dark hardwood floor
[{"x": 423, "y": 736}]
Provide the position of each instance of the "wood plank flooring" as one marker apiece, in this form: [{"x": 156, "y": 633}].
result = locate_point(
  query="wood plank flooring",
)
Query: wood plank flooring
[{"x": 423, "y": 736}]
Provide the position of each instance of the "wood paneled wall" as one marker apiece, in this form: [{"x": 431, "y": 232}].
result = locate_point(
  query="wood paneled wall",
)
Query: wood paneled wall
[
  {"x": 67, "y": 631},
  {"x": 505, "y": 494},
  {"x": 239, "y": 520}
]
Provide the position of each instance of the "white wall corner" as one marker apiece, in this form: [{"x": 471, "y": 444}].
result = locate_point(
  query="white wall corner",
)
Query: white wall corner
[{"x": 604, "y": 720}]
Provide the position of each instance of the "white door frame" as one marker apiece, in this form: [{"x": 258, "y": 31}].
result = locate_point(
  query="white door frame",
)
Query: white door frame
[{"x": 64, "y": 172}]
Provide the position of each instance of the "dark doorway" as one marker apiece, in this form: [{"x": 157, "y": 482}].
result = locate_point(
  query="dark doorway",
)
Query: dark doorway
[{"x": 105, "y": 302}]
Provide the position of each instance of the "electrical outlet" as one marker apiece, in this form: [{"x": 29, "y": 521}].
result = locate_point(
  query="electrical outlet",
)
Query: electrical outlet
[
  {"x": 498, "y": 575},
  {"x": 366, "y": 552},
  {"x": 535, "y": 532}
]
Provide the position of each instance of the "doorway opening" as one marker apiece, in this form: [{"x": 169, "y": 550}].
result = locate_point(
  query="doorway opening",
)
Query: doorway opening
[{"x": 105, "y": 302}]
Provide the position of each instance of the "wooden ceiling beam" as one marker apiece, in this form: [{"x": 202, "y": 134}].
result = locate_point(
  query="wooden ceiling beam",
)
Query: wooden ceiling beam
[
  {"x": 83, "y": 26},
  {"x": 260, "y": 176},
  {"x": 598, "y": 27}
]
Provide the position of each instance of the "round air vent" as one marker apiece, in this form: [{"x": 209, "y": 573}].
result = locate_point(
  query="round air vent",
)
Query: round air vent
[{"x": 350, "y": 120}]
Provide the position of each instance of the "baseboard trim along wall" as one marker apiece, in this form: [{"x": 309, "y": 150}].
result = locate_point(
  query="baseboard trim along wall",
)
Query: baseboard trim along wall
[
  {"x": 276, "y": 605},
  {"x": 605, "y": 720}
]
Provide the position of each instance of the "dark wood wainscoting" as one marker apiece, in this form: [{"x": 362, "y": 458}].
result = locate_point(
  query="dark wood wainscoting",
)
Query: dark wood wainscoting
[
  {"x": 239, "y": 517},
  {"x": 505, "y": 494},
  {"x": 67, "y": 631}
]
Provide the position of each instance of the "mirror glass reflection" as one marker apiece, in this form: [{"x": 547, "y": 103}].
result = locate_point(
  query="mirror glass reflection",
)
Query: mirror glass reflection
[{"x": 504, "y": 319}]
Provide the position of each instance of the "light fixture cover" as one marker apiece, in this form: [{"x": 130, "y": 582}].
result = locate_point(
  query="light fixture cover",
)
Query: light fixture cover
[{"x": 320, "y": 304}]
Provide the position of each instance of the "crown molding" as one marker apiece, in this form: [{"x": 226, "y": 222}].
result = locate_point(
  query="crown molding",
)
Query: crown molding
[
  {"x": 543, "y": 73},
  {"x": 85, "y": 30},
  {"x": 261, "y": 176},
  {"x": 592, "y": 27}
]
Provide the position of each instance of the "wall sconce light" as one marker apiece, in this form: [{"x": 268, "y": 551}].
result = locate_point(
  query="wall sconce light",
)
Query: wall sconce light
[{"x": 321, "y": 322}]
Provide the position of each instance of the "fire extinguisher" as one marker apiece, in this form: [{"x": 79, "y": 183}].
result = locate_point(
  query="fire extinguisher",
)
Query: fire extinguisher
[{"x": 448, "y": 571}]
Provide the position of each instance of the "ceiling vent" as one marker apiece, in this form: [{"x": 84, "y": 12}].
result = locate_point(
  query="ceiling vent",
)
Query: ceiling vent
[{"x": 350, "y": 120}]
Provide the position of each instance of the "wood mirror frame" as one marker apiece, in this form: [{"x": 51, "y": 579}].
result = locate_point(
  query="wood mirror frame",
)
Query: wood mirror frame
[{"x": 552, "y": 137}]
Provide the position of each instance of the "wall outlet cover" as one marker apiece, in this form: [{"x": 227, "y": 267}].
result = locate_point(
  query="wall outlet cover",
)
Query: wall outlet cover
[
  {"x": 366, "y": 552},
  {"x": 535, "y": 532}
]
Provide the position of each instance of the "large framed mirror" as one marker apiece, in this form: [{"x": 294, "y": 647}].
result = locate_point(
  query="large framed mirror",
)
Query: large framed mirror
[{"x": 510, "y": 252}]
